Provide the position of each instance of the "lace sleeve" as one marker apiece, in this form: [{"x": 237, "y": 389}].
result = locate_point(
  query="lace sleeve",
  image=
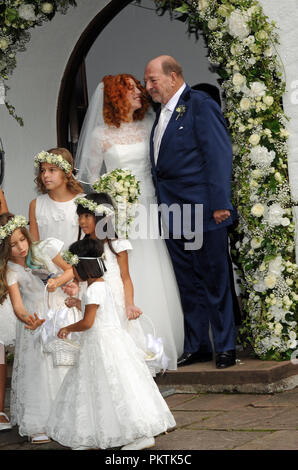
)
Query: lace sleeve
[
  {"x": 95, "y": 293},
  {"x": 11, "y": 277},
  {"x": 95, "y": 157}
]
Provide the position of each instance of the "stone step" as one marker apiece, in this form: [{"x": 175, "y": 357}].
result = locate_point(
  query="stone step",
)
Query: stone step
[{"x": 249, "y": 375}]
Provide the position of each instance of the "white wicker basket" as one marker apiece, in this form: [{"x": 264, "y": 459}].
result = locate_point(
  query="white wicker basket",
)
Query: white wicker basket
[{"x": 64, "y": 352}]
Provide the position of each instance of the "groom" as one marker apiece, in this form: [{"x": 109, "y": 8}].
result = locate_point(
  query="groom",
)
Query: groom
[{"x": 191, "y": 160}]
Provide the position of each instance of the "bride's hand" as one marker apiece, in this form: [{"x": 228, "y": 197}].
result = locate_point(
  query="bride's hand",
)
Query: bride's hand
[{"x": 133, "y": 312}]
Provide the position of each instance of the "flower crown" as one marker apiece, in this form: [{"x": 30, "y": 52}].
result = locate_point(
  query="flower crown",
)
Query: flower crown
[
  {"x": 16, "y": 222},
  {"x": 73, "y": 260},
  {"x": 70, "y": 258},
  {"x": 46, "y": 157},
  {"x": 98, "y": 209}
]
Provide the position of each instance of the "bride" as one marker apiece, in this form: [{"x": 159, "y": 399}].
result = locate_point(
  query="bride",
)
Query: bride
[{"x": 116, "y": 133}]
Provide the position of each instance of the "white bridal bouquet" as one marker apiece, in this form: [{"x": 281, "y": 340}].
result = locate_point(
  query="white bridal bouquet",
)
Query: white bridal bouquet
[{"x": 123, "y": 187}]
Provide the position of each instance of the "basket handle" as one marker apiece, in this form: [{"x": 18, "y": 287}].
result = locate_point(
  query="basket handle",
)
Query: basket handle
[{"x": 150, "y": 321}]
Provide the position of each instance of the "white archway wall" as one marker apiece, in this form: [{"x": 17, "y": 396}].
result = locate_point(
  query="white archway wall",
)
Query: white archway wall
[
  {"x": 35, "y": 86},
  {"x": 287, "y": 21},
  {"x": 127, "y": 44}
]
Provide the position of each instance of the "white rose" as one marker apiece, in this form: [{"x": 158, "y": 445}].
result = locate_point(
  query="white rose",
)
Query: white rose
[
  {"x": 284, "y": 133},
  {"x": 278, "y": 329},
  {"x": 285, "y": 221},
  {"x": 245, "y": 104},
  {"x": 277, "y": 177},
  {"x": 291, "y": 344},
  {"x": 262, "y": 35},
  {"x": 47, "y": 8},
  {"x": 26, "y": 12},
  {"x": 252, "y": 61},
  {"x": 3, "y": 44},
  {"x": 203, "y": 5},
  {"x": 258, "y": 210},
  {"x": 270, "y": 281},
  {"x": 268, "y": 52},
  {"x": 238, "y": 26},
  {"x": 268, "y": 100},
  {"x": 254, "y": 139},
  {"x": 236, "y": 49},
  {"x": 212, "y": 24},
  {"x": 256, "y": 243},
  {"x": 238, "y": 79},
  {"x": 289, "y": 281}
]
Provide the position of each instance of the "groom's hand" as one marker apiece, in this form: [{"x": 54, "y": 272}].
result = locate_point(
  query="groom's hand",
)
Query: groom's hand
[
  {"x": 133, "y": 312},
  {"x": 221, "y": 215}
]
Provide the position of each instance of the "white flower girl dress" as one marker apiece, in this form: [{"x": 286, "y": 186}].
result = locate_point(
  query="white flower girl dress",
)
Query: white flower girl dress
[{"x": 108, "y": 399}]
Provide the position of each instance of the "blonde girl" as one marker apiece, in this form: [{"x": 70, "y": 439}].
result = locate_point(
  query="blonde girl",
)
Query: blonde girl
[
  {"x": 35, "y": 381},
  {"x": 53, "y": 213}
]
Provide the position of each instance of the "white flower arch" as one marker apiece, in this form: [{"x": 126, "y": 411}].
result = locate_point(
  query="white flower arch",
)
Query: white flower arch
[{"x": 241, "y": 43}]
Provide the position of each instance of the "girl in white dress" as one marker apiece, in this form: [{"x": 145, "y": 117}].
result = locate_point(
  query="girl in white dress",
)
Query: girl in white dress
[
  {"x": 7, "y": 337},
  {"x": 53, "y": 214},
  {"x": 116, "y": 133},
  {"x": 117, "y": 276},
  {"x": 109, "y": 398},
  {"x": 35, "y": 381}
]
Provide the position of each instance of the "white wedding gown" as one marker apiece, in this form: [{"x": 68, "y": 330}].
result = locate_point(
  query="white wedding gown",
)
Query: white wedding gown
[
  {"x": 108, "y": 399},
  {"x": 155, "y": 288}
]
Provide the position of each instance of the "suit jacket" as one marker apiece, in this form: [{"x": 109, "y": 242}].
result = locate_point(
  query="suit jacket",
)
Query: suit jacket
[{"x": 194, "y": 164}]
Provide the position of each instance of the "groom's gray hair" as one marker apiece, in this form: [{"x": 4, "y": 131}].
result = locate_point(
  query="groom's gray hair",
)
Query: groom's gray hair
[{"x": 169, "y": 65}]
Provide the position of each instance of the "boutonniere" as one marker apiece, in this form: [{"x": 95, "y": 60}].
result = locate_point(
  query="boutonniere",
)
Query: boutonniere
[{"x": 180, "y": 110}]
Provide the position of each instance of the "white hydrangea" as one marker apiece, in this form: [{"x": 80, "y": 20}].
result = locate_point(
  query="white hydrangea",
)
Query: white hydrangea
[
  {"x": 238, "y": 26},
  {"x": 261, "y": 157},
  {"x": 255, "y": 90},
  {"x": 26, "y": 12},
  {"x": 274, "y": 214}
]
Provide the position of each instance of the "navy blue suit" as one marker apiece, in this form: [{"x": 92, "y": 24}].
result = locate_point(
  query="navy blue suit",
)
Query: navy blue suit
[{"x": 194, "y": 166}]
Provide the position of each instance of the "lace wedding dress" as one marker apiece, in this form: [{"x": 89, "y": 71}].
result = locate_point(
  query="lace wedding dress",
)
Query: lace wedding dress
[
  {"x": 155, "y": 288},
  {"x": 108, "y": 399}
]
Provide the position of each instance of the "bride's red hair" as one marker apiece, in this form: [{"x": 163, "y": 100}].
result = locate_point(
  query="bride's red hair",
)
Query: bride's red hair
[{"x": 116, "y": 107}]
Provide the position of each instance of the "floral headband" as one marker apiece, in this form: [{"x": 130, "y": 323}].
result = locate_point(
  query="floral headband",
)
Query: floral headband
[
  {"x": 73, "y": 260},
  {"x": 70, "y": 258},
  {"x": 98, "y": 209},
  {"x": 16, "y": 222},
  {"x": 46, "y": 157}
]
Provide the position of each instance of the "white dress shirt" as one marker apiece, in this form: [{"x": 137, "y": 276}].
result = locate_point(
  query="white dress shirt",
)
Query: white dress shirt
[{"x": 164, "y": 118}]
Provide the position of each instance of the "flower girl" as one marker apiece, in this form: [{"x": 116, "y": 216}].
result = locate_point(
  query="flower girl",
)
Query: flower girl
[
  {"x": 109, "y": 399},
  {"x": 53, "y": 214},
  {"x": 7, "y": 337},
  {"x": 90, "y": 210},
  {"x": 35, "y": 381}
]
